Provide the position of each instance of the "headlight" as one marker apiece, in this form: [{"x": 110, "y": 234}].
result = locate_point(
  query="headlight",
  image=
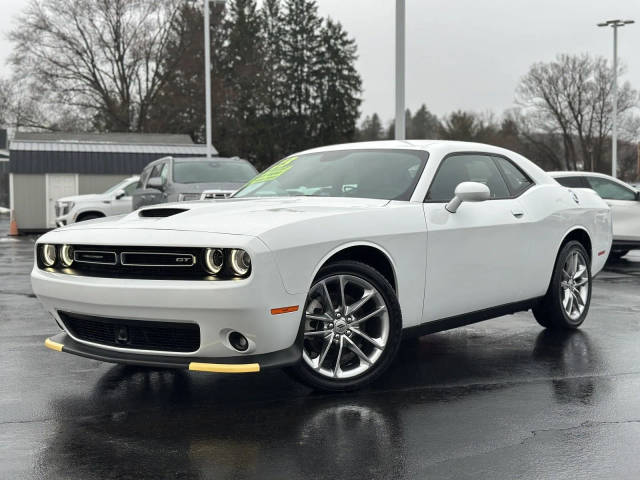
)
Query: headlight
[
  {"x": 48, "y": 255},
  {"x": 240, "y": 262},
  {"x": 66, "y": 255},
  {"x": 214, "y": 260},
  {"x": 65, "y": 207}
]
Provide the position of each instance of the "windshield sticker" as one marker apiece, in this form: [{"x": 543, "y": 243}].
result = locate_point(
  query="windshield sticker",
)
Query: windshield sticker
[{"x": 275, "y": 171}]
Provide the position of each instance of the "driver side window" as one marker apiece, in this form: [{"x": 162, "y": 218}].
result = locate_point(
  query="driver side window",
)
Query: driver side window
[
  {"x": 155, "y": 172},
  {"x": 472, "y": 167}
]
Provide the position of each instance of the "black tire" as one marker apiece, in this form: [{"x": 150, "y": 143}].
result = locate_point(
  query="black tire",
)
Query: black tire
[
  {"x": 88, "y": 216},
  {"x": 304, "y": 373},
  {"x": 550, "y": 312}
]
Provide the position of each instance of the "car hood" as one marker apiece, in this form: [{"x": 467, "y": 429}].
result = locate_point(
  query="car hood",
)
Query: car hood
[
  {"x": 234, "y": 216},
  {"x": 93, "y": 197}
]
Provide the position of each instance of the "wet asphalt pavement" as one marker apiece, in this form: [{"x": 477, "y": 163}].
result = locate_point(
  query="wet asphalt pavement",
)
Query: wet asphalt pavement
[{"x": 502, "y": 399}]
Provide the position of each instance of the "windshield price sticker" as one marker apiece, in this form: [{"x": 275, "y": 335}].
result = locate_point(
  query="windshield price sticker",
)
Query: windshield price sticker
[{"x": 275, "y": 171}]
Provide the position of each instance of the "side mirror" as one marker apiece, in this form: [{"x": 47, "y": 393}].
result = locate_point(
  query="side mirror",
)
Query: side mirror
[
  {"x": 468, "y": 192},
  {"x": 119, "y": 194},
  {"x": 155, "y": 182}
]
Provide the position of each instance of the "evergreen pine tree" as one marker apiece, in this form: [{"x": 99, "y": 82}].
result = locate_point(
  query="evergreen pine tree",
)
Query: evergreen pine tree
[
  {"x": 269, "y": 143},
  {"x": 423, "y": 125},
  {"x": 371, "y": 129},
  {"x": 242, "y": 71},
  {"x": 301, "y": 49}
]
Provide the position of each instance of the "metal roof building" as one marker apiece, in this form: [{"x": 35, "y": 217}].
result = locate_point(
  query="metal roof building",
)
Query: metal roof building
[{"x": 46, "y": 166}]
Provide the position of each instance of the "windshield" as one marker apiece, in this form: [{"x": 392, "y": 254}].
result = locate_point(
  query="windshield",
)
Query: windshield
[
  {"x": 202, "y": 171},
  {"x": 120, "y": 186},
  {"x": 381, "y": 174}
]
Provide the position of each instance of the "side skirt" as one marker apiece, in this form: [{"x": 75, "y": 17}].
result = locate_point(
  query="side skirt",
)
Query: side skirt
[{"x": 468, "y": 318}]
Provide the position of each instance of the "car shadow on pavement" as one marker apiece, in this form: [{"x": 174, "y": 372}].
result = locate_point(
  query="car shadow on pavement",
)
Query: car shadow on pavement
[{"x": 171, "y": 423}]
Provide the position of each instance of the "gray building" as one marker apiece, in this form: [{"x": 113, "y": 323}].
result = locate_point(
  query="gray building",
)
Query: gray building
[{"x": 46, "y": 166}]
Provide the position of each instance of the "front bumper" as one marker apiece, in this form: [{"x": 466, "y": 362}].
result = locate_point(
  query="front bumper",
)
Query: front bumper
[
  {"x": 62, "y": 342},
  {"x": 217, "y": 307}
]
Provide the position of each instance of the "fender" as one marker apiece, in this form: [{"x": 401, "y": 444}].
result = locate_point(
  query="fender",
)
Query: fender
[
  {"x": 88, "y": 210},
  {"x": 344, "y": 246}
]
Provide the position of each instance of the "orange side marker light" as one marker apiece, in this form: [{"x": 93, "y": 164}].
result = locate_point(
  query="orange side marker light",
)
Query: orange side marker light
[{"x": 278, "y": 311}]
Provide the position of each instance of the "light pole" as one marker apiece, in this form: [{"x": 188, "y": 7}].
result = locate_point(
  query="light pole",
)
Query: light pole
[
  {"x": 615, "y": 24},
  {"x": 207, "y": 73},
  {"x": 400, "y": 131}
]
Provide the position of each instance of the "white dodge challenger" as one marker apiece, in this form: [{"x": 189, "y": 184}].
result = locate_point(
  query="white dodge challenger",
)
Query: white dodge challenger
[{"x": 323, "y": 262}]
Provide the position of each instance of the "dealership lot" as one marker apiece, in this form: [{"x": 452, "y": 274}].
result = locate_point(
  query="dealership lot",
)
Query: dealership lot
[{"x": 500, "y": 399}]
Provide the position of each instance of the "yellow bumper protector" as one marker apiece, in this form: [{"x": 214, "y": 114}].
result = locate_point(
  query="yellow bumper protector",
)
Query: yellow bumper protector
[
  {"x": 53, "y": 345},
  {"x": 224, "y": 368}
]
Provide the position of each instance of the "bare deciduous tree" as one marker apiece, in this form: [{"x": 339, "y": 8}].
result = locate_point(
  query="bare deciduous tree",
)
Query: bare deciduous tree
[
  {"x": 100, "y": 56},
  {"x": 571, "y": 98}
]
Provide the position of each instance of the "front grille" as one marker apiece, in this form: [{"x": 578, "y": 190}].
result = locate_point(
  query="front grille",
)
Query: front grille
[
  {"x": 215, "y": 195},
  {"x": 57, "y": 210},
  {"x": 134, "y": 334},
  {"x": 153, "y": 263}
]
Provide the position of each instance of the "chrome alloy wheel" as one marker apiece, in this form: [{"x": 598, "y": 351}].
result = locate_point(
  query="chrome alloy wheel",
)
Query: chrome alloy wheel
[
  {"x": 574, "y": 286},
  {"x": 346, "y": 326}
]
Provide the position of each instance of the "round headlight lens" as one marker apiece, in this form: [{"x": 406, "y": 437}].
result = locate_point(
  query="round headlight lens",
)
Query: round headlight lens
[
  {"x": 66, "y": 255},
  {"x": 240, "y": 262},
  {"x": 48, "y": 255},
  {"x": 214, "y": 260}
]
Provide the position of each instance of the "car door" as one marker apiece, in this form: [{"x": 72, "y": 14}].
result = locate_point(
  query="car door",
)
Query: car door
[
  {"x": 625, "y": 207},
  {"x": 149, "y": 195},
  {"x": 475, "y": 256}
]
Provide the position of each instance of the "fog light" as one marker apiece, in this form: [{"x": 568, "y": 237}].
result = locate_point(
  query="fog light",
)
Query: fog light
[
  {"x": 214, "y": 260},
  {"x": 238, "y": 341},
  {"x": 48, "y": 255},
  {"x": 66, "y": 255},
  {"x": 240, "y": 262}
]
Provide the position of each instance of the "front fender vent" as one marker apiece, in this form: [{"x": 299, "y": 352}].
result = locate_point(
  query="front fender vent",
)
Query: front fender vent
[{"x": 161, "y": 212}]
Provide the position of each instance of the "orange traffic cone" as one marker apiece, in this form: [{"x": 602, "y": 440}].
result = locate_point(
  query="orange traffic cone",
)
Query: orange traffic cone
[{"x": 13, "y": 226}]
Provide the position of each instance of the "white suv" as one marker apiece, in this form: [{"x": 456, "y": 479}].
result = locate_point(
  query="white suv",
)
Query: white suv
[
  {"x": 115, "y": 201},
  {"x": 623, "y": 199}
]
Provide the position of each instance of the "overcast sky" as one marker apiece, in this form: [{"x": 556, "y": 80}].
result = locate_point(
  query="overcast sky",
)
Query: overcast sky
[{"x": 461, "y": 54}]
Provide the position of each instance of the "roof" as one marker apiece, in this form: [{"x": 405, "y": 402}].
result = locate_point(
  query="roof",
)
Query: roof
[
  {"x": 576, "y": 173},
  {"x": 109, "y": 143},
  {"x": 108, "y": 148},
  {"x": 120, "y": 138}
]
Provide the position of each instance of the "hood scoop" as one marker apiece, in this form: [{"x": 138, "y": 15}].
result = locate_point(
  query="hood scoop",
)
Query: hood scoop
[{"x": 161, "y": 212}]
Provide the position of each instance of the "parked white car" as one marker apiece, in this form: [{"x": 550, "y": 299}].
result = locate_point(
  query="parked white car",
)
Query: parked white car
[
  {"x": 623, "y": 199},
  {"x": 115, "y": 201},
  {"x": 325, "y": 260}
]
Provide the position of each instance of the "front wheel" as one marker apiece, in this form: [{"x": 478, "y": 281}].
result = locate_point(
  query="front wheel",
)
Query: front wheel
[
  {"x": 567, "y": 301},
  {"x": 352, "y": 328}
]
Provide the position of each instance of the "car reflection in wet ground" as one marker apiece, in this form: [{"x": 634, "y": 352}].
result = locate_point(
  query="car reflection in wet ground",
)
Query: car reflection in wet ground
[{"x": 500, "y": 399}]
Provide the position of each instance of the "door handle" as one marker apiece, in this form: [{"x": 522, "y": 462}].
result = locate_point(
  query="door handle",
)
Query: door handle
[{"x": 517, "y": 213}]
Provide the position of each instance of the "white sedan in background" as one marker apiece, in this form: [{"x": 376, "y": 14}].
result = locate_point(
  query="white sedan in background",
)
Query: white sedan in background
[
  {"x": 325, "y": 260},
  {"x": 115, "y": 201},
  {"x": 623, "y": 199}
]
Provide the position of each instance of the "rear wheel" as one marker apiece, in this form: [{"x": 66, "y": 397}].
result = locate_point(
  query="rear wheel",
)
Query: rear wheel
[
  {"x": 566, "y": 303},
  {"x": 352, "y": 328}
]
